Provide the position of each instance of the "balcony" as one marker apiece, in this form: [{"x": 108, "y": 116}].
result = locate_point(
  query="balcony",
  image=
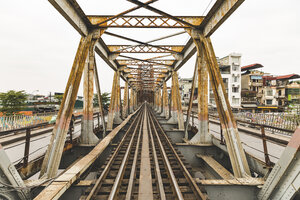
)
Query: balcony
[{"x": 256, "y": 84}]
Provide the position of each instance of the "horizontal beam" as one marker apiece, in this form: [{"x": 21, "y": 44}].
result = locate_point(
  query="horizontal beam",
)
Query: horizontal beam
[
  {"x": 145, "y": 49},
  {"x": 144, "y": 21},
  {"x": 145, "y": 63}
]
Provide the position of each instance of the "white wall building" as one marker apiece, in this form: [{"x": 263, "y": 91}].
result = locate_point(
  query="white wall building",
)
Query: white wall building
[{"x": 230, "y": 68}]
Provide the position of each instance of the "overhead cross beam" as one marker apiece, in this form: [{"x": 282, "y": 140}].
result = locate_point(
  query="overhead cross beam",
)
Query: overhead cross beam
[
  {"x": 162, "y": 13},
  {"x": 144, "y": 21},
  {"x": 145, "y": 49}
]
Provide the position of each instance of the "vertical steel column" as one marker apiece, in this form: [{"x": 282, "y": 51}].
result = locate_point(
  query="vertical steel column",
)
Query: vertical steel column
[
  {"x": 178, "y": 103},
  {"x": 125, "y": 101},
  {"x": 111, "y": 110},
  {"x": 159, "y": 100},
  {"x": 101, "y": 110},
  {"x": 203, "y": 136},
  {"x": 114, "y": 107},
  {"x": 131, "y": 100},
  {"x": 189, "y": 111},
  {"x": 165, "y": 101},
  {"x": 54, "y": 152},
  {"x": 235, "y": 150},
  {"x": 173, "y": 119},
  {"x": 87, "y": 136}
]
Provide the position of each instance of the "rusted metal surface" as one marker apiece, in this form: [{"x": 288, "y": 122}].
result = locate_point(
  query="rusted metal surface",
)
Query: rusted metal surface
[
  {"x": 27, "y": 146},
  {"x": 189, "y": 111},
  {"x": 169, "y": 169},
  {"x": 87, "y": 136},
  {"x": 283, "y": 181},
  {"x": 54, "y": 151},
  {"x": 218, "y": 14},
  {"x": 229, "y": 127},
  {"x": 131, "y": 21},
  {"x": 126, "y": 102},
  {"x": 64, "y": 181},
  {"x": 136, "y": 62},
  {"x": 263, "y": 136},
  {"x": 101, "y": 110},
  {"x": 145, "y": 48}
]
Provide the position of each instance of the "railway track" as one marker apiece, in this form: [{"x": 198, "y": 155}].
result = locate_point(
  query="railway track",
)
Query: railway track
[{"x": 145, "y": 165}]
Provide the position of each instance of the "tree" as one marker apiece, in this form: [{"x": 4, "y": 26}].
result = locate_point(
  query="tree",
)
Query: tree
[
  {"x": 59, "y": 98},
  {"x": 12, "y": 101},
  {"x": 105, "y": 100}
]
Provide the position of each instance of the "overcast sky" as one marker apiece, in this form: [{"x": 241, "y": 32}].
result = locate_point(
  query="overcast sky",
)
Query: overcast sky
[{"x": 37, "y": 45}]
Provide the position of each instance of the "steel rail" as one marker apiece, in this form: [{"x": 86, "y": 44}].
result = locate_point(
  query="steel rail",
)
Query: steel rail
[
  {"x": 133, "y": 169},
  {"x": 157, "y": 169},
  {"x": 122, "y": 168},
  {"x": 107, "y": 167},
  {"x": 167, "y": 163},
  {"x": 186, "y": 173}
]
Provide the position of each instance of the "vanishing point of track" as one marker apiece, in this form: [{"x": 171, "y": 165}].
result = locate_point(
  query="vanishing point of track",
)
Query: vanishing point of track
[{"x": 145, "y": 165}]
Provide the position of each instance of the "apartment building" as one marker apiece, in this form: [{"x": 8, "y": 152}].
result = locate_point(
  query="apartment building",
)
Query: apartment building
[
  {"x": 231, "y": 74},
  {"x": 252, "y": 86}
]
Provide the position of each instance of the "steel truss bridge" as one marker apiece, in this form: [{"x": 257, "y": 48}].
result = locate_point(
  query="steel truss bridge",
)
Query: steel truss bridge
[{"x": 146, "y": 149}]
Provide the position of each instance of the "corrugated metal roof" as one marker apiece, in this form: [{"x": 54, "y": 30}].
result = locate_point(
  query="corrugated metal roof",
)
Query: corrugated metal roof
[{"x": 253, "y": 66}]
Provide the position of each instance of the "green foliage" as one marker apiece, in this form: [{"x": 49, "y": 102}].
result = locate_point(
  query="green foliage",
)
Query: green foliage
[
  {"x": 12, "y": 101},
  {"x": 59, "y": 98},
  {"x": 105, "y": 100}
]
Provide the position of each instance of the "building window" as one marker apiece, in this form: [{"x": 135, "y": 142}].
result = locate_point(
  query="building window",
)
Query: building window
[
  {"x": 235, "y": 79},
  {"x": 279, "y": 92},
  {"x": 235, "y": 100},
  {"x": 235, "y": 89},
  {"x": 269, "y": 101},
  {"x": 269, "y": 92}
]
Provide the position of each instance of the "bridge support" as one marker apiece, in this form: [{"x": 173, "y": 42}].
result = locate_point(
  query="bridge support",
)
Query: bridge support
[
  {"x": 87, "y": 136},
  {"x": 176, "y": 108},
  {"x": 54, "y": 152},
  {"x": 236, "y": 152},
  {"x": 125, "y": 101},
  {"x": 159, "y": 101},
  {"x": 284, "y": 180},
  {"x": 131, "y": 108},
  {"x": 101, "y": 110},
  {"x": 165, "y": 107},
  {"x": 114, "y": 107},
  {"x": 10, "y": 176},
  {"x": 202, "y": 136}
]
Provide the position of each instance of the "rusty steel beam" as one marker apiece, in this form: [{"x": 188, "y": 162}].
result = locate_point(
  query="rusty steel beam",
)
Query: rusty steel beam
[
  {"x": 125, "y": 105},
  {"x": 158, "y": 39},
  {"x": 101, "y": 109},
  {"x": 139, "y": 42},
  {"x": 87, "y": 136},
  {"x": 139, "y": 62},
  {"x": 165, "y": 109},
  {"x": 202, "y": 136},
  {"x": 124, "y": 13},
  {"x": 190, "y": 107},
  {"x": 178, "y": 20},
  {"x": 145, "y": 48},
  {"x": 218, "y": 14},
  {"x": 145, "y": 21},
  {"x": 54, "y": 152},
  {"x": 229, "y": 127}
]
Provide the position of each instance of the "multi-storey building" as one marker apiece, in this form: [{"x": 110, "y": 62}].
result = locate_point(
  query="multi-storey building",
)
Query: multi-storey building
[
  {"x": 252, "y": 84},
  {"x": 231, "y": 74},
  {"x": 230, "y": 68}
]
